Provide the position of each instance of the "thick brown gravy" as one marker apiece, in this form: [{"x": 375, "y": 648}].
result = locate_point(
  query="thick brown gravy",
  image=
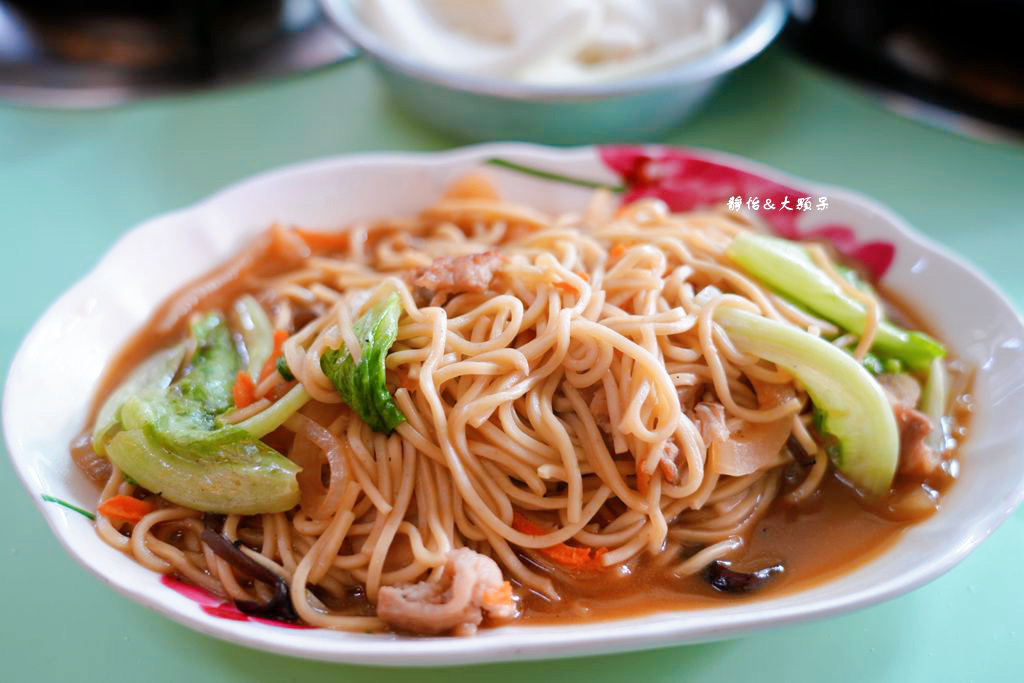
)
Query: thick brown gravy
[
  {"x": 816, "y": 541},
  {"x": 828, "y": 536}
]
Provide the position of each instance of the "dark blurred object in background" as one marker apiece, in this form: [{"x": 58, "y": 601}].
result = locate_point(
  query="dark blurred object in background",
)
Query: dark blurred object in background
[
  {"x": 90, "y": 53},
  {"x": 956, "y": 65},
  {"x": 961, "y": 58}
]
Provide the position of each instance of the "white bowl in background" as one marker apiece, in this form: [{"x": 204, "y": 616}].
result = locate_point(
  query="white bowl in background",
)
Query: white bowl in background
[{"x": 642, "y": 107}]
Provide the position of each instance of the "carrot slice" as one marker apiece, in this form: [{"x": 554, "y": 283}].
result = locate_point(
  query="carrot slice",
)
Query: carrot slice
[
  {"x": 323, "y": 241},
  {"x": 616, "y": 252},
  {"x": 572, "y": 557},
  {"x": 280, "y": 336},
  {"x": 126, "y": 508},
  {"x": 521, "y": 523},
  {"x": 472, "y": 185},
  {"x": 244, "y": 391}
]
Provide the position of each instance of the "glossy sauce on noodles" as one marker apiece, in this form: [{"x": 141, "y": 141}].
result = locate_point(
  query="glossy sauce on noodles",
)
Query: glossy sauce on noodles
[
  {"x": 831, "y": 534},
  {"x": 787, "y": 534}
]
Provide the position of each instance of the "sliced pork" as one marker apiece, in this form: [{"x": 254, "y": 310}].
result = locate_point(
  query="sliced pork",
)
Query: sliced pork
[
  {"x": 917, "y": 458},
  {"x": 458, "y": 274}
]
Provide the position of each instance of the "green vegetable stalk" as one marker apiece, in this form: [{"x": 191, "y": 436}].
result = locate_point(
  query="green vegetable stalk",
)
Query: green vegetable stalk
[
  {"x": 935, "y": 400},
  {"x": 362, "y": 385},
  {"x": 787, "y": 268},
  {"x": 851, "y": 405},
  {"x": 249, "y": 318}
]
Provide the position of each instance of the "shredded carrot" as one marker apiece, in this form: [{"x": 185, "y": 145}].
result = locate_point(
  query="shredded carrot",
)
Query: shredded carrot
[
  {"x": 583, "y": 275},
  {"x": 323, "y": 241},
  {"x": 280, "y": 336},
  {"x": 496, "y": 597},
  {"x": 126, "y": 508},
  {"x": 572, "y": 557},
  {"x": 616, "y": 252},
  {"x": 244, "y": 391},
  {"x": 521, "y": 523},
  {"x": 569, "y": 556},
  {"x": 566, "y": 287},
  {"x": 472, "y": 185}
]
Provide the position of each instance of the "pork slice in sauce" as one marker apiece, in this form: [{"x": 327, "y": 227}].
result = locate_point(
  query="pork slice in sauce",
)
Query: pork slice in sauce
[
  {"x": 470, "y": 588},
  {"x": 458, "y": 274},
  {"x": 917, "y": 458}
]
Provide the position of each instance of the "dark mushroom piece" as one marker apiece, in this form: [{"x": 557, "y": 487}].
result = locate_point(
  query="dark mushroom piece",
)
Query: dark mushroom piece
[
  {"x": 804, "y": 458},
  {"x": 726, "y": 580},
  {"x": 279, "y": 607}
]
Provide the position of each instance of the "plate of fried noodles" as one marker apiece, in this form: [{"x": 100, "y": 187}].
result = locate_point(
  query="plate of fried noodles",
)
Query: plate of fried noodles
[{"x": 510, "y": 402}]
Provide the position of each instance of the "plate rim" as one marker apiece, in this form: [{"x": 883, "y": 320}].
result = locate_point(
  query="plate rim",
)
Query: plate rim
[{"x": 618, "y": 635}]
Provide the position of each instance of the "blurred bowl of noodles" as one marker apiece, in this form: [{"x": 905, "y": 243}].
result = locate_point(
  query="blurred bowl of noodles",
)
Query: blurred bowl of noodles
[{"x": 476, "y": 105}]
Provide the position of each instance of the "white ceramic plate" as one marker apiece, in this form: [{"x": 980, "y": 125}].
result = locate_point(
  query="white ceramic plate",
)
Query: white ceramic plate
[{"x": 51, "y": 382}]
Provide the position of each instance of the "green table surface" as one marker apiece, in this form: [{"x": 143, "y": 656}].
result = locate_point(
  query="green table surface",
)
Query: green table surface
[{"x": 71, "y": 182}]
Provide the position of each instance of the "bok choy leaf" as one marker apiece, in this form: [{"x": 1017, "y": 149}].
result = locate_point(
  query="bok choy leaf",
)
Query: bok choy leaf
[
  {"x": 168, "y": 437},
  {"x": 362, "y": 385}
]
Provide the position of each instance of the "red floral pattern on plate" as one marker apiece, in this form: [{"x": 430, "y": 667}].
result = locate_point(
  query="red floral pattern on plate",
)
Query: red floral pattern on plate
[
  {"x": 216, "y": 607},
  {"x": 685, "y": 181}
]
